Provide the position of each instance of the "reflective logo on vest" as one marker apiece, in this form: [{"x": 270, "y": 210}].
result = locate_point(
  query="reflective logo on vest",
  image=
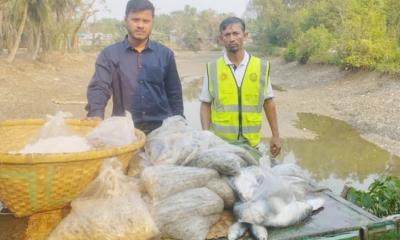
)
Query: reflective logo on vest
[
  {"x": 223, "y": 76},
  {"x": 253, "y": 77}
]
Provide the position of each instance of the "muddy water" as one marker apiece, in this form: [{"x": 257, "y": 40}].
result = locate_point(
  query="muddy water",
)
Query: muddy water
[{"x": 336, "y": 156}]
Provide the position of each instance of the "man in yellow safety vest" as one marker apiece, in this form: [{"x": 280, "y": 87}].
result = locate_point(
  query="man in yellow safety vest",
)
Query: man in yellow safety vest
[{"x": 236, "y": 90}]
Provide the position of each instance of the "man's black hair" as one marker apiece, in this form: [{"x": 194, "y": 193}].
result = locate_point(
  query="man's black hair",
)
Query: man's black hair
[
  {"x": 231, "y": 20},
  {"x": 138, "y": 5}
]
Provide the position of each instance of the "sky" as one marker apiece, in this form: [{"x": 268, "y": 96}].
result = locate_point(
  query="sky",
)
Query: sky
[{"x": 116, "y": 8}]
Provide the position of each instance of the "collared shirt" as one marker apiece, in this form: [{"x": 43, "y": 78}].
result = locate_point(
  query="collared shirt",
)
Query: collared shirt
[
  {"x": 146, "y": 84},
  {"x": 238, "y": 73}
]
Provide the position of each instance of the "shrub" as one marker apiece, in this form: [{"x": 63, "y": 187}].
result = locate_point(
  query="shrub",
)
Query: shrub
[
  {"x": 315, "y": 44},
  {"x": 381, "y": 199},
  {"x": 391, "y": 64},
  {"x": 290, "y": 52}
]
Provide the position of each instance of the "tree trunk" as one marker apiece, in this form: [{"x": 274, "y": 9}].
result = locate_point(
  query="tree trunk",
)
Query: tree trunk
[
  {"x": 67, "y": 44},
  {"x": 74, "y": 35},
  {"x": 30, "y": 43},
  {"x": 1, "y": 32},
  {"x": 75, "y": 41},
  {"x": 45, "y": 46},
  {"x": 11, "y": 55},
  {"x": 38, "y": 37},
  {"x": 9, "y": 36}
]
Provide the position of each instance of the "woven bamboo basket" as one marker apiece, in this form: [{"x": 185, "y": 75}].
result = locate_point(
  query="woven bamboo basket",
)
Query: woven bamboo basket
[{"x": 42, "y": 182}]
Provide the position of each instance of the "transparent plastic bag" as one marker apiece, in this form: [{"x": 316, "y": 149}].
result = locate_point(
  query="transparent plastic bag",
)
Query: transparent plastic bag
[
  {"x": 172, "y": 143},
  {"x": 177, "y": 143},
  {"x": 266, "y": 199},
  {"x": 113, "y": 132},
  {"x": 171, "y": 148},
  {"x": 109, "y": 208},
  {"x": 138, "y": 163},
  {"x": 225, "y": 163},
  {"x": 191, "y": 228},
  {"x": 164, "y": 180},
  {"x": 221, "y": 187},
  {"x": 55, "y": 126},
  {"x": 189, "y": 204},
  {"x": 295, "y": 177},
  {"x": 55, "y": 136}
]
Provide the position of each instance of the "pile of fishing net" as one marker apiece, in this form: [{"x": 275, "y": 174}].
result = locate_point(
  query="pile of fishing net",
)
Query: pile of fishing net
[
  {"x": 110, "y": 208},
  {"x": 185, "y": 201},
  {"x": 178, "y": 144},
  {"x": 271, "y": 197}
]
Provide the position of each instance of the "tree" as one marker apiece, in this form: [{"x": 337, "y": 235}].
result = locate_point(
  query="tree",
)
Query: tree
[
  {"x": 363, "y": 41},
  {"x": 163, "y": 26},
  {"x": 86, "y": 12},
  {"x": 1, "y": 29},
  {"x": 315, "y": 43},
  {"x": 208, "y": 27},
  {"x": 185, "y": 26},
  {"x": 21, "y": 7},
  {"x": 39, "y": 12}
]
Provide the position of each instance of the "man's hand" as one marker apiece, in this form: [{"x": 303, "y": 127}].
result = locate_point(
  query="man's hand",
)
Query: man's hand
[{"x": 275, "y": 146}]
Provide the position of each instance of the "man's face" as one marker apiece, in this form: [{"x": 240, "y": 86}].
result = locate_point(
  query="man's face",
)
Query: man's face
[
  {"x": 139, "y": 24},
  {"x": 233, "y": 38}
]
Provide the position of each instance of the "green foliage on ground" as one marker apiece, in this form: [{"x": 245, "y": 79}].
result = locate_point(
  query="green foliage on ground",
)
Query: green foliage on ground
[
  {"x": 392, "y": 235},
  {"x": 381, "y": 199}
]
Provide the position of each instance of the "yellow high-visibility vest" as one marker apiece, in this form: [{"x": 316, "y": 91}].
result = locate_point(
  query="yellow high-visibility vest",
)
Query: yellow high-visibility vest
[{"x": 236, "y": 111}]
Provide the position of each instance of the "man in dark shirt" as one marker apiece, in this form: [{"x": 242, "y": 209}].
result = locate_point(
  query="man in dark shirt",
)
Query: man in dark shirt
[{"x": 138, "y": 73}]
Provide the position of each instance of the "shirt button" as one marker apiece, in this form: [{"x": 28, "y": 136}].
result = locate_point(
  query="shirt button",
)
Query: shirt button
[
  {"x": 144, "y": 113},
  {"x": 142, "y": 97},
  {"x": 140, "y": 81}
]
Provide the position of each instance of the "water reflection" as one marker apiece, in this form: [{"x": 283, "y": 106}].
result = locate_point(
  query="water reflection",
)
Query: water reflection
[
  {"x": 338, "y": 154},
  {"x": 191, "y": 87}
]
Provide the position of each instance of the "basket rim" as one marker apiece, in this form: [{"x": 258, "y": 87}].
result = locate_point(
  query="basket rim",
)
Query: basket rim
[{"x": 48, "y": 158}]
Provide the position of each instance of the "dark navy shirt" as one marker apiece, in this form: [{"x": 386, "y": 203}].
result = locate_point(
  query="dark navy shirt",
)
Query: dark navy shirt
[{"x": 146, "y": 84}]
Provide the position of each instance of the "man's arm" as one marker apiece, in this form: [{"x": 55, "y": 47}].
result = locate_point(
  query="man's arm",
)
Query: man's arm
[
  {"x": 99, "y": 89},
  {"x": 205, "y": 115},
  {"x": 205, "y": 107},
  {"x": 270, "y": 111},
  {"x": 173, "y": 87}
]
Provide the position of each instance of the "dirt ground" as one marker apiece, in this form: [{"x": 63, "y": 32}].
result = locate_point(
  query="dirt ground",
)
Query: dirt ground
[{"x": 367, "y": 101}]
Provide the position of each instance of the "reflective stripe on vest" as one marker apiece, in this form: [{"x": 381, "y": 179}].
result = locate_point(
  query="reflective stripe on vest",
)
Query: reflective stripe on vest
[{"x": 237, "y": 111}]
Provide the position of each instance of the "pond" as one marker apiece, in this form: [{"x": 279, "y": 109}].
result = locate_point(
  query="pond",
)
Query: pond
[{"x": 338, "y": 155}]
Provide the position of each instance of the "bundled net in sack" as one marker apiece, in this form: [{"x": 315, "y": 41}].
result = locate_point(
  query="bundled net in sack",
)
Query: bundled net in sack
[{"x": 109, "y": 208}]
